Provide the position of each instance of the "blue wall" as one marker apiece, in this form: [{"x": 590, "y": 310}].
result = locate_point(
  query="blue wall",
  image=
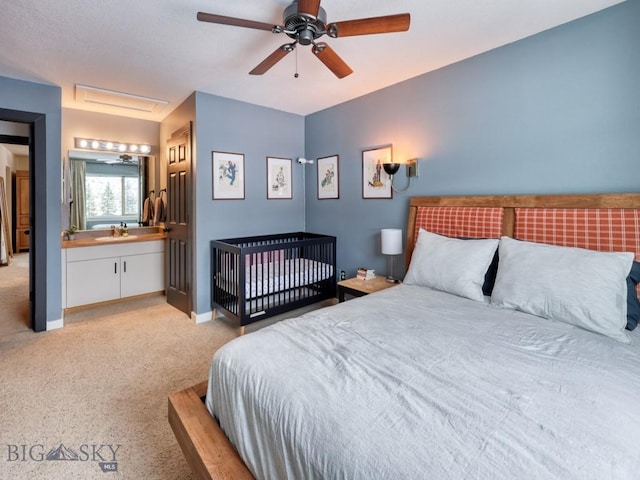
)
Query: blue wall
[
  {"x": 46, "y": 100},
  {"x": 226, "y": 125},
  {"x": 558, "y": 112}
]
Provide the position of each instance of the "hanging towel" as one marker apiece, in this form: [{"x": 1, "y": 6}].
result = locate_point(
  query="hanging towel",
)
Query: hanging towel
[
  {"x": 160, "y": 214},
  {"x": 147, "y": 211}
]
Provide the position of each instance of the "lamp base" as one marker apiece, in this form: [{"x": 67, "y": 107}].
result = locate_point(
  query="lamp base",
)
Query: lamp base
[{"x": 392, "y": 280}]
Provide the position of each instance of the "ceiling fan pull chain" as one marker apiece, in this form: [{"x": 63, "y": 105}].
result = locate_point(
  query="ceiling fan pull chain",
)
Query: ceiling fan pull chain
[{"x": 295, "y": 75}]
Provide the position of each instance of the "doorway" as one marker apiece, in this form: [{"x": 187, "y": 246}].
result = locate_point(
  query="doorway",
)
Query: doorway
[
  {"x": 14, "y": 210},
  {"x": 37, "y": 238}
]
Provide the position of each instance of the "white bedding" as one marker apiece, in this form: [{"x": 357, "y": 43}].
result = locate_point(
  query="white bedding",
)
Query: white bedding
[
  {"x": 411, "y": 383},
  {"x": 273, "y": 277}
]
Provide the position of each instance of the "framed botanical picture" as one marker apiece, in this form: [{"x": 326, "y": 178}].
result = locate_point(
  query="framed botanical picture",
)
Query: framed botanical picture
[
  {"x": 328, "y": 177},
  {"x": 228, "y": 175},
  {"x": 376, "y": 183},
  {"x": 279, "y": 178}
]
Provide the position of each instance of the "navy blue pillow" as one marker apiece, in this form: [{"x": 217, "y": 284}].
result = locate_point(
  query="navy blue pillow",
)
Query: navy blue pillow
[
  {"x": 633, "y": 305},
  {"x": 490, "y": 276}
]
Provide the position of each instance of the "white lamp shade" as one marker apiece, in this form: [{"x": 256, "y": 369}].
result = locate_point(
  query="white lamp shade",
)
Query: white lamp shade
[{"x": 391, "y": 241}]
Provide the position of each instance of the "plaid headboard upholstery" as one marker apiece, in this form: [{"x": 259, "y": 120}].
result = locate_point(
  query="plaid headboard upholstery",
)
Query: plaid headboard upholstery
[
  {"x": 458, "y": 222},
  {"x": 603, "y": 229},
  {"x": 605, "y": 222}
]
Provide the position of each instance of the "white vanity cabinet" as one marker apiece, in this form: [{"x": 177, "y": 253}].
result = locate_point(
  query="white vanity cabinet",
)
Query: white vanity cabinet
[{"x": 109, "y": 272}]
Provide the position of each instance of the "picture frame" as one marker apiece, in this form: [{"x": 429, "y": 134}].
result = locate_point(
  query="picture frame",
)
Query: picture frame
[
  {"x": 228, "y": 175},
  {"x": 279, "y": 179},
  {"x": 376, "y": 183},
  {"x": 328, "y": 177}
]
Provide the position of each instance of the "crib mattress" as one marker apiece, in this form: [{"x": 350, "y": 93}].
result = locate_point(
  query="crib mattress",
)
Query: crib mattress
[{"x": 273, "y": 277}]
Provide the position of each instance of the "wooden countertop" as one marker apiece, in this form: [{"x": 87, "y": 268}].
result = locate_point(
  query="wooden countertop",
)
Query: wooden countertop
[{"x": 95, "y": 241}]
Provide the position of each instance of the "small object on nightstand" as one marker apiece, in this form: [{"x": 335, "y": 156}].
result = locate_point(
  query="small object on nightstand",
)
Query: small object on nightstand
[{"x": 365, "y": 273}]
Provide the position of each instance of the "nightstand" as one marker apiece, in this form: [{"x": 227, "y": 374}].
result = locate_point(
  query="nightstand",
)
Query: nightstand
[{"x": 359, "y": 288}]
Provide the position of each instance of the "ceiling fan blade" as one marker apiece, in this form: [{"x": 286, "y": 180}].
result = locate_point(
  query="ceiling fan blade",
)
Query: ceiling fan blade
[
  {"x": 331, "y": 59},
  {"x": 236, "y": 22},
  {"x": 272, "y": 59},
  {"x": 309, "y": 7},
  {"x": 368, "y": 26}
]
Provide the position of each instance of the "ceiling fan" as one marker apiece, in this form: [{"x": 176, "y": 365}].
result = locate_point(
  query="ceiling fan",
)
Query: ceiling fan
[{"x": 305, "y": 21}]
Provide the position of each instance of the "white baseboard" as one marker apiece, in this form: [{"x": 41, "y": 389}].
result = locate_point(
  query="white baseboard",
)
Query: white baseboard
[
  {"x": 201, "y": 317},
  {"x": 55, "y": 324}
]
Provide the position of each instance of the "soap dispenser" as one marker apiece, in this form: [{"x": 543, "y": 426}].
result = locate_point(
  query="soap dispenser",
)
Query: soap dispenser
[{"x": 125, "y": 231}]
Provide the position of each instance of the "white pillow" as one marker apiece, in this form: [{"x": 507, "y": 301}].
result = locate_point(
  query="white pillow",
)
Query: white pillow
[
  {"x": 572, "y": 285},
  {"x": 450, "y": 264}
]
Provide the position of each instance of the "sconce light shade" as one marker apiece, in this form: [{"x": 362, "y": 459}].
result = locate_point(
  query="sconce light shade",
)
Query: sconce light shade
[
  {"x": 391, "y": 241},
  {"x": 391, "y": 168}
]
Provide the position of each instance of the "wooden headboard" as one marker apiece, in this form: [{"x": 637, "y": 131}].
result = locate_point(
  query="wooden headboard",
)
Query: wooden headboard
[{"x": 605, "y": 222}]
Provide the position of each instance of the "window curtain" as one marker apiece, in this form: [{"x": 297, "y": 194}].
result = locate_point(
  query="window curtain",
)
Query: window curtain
[{"x": 77, "y": 208}]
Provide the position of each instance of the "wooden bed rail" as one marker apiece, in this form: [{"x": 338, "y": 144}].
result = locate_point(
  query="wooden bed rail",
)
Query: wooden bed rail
[{"x": 206, "y": 448}]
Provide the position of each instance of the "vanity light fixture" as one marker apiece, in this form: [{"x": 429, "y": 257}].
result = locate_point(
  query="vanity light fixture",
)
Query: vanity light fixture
[{"x": 112, "y": 146}]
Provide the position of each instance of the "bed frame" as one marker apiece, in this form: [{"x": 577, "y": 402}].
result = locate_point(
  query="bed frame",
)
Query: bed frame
[
  {"x": 304, "y": 265},
  {"x": 205, "y": 446}
]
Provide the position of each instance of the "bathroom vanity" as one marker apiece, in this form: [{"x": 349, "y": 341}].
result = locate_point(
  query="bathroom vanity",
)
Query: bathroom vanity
[{"x": 98, "y": 269}]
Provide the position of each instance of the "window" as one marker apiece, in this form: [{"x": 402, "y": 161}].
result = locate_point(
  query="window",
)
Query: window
[{"x": 110, "y": 196}]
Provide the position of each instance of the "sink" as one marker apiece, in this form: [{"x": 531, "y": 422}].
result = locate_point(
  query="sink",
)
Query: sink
[{"x": 115, "y": 239}]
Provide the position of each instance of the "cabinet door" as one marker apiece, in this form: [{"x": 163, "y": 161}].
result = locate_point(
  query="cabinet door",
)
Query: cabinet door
[
  {"x": 142, "y": 274},
  {"x": 92, "y": 281}
]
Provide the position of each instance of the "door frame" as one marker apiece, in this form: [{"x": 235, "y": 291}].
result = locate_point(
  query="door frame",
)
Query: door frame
[{"x": 38, "y": 218}]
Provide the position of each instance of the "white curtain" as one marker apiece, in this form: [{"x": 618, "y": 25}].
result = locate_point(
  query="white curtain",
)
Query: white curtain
[{"x": 78, "y": 175}]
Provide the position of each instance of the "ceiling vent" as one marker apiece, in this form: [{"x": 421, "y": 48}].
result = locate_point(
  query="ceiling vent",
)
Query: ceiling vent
[{"x": 111, "y": 98}]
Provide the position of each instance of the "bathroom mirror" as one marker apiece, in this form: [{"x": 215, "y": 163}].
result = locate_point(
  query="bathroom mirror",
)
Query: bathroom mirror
[{"x": 106, "y": 189}]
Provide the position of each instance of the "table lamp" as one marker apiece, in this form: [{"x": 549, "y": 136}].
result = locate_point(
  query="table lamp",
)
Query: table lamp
[{"x": 391, "y": 245}]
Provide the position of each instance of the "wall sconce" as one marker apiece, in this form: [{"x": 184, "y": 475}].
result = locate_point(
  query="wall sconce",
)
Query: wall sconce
[
  {"x": 392, "y": 169},
  {"x": 391, "y": 242},
  {"x": 111, "y": 146},
  {"x": 304, "y": 161}
]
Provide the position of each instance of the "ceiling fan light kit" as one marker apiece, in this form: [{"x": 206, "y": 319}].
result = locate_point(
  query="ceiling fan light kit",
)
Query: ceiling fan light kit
[{"x": 305, "y": 21}]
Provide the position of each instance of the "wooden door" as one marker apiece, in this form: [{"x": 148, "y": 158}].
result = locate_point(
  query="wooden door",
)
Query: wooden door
[
  {"x": 22, "y": 210},
  {"x": 178, "y": 254}
]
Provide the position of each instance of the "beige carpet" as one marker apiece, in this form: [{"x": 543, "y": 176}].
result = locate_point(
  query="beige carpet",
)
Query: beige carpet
[
  {"x": 102, "y": 380},
  {"x": 14, "y": 295}
]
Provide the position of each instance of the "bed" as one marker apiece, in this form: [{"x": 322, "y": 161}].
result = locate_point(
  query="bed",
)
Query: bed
[
  {"x": 261, "y": 276},
  {"x": 418, "y": 382}
]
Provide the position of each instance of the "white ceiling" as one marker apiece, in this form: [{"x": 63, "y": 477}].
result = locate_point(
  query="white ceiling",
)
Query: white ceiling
[{"x": 156, "y": 48}]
